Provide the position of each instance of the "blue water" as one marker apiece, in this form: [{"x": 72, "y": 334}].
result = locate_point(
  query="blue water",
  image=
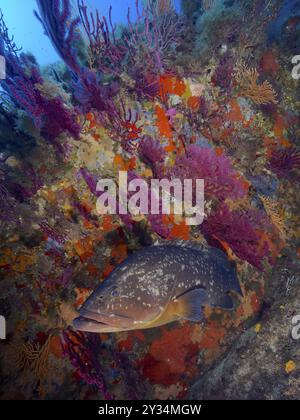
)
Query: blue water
[
  {"x": 289, "y": 8},
  {"x": 29, "y": 34}
]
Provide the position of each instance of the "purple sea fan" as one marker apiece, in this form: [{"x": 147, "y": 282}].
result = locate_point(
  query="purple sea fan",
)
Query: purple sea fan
[
  {"x": 8, "y": 205},
  {"x": 146, "y": 84},
  {"x": 107, "y": 52},
  {"x": 285, "y": 163},
  {"x": 83, "y": 351},
  {"x": 35, "y": 179},
  {"x": 153, "y": 35},
  {"x": 8, "y": 49},
  {"x": 56, "y": 18},
  {"x": 203, "y": 107},
  {"x": 91, "y": 181},
  {"x": 59, "y": 119},
  {"x": 53, "y": 234},
  {"x": 151, "y": 152},
  {"x": 90, "y": 93},
  {"x": 19, "y": 192},
  {"x": 22, "y": 192},
  {"x": 62, "y": 29},
  {"x": 66, "y": 276},
  {"x": 241, "y": 231},
  {"x": 50, "y": 115},
  {"x": 155, "y": 220},
  {"x": 222, "y": 181},
  {"x": 223, "y": 76},
  {"x": 21, "y": 84}
]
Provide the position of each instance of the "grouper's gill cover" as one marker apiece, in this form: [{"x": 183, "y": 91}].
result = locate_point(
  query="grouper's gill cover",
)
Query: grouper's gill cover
[{"x": 159, "y": 285}]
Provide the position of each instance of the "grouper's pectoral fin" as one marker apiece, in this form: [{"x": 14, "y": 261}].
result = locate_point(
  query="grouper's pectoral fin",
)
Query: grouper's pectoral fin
[{"x": 189, "y": 305}]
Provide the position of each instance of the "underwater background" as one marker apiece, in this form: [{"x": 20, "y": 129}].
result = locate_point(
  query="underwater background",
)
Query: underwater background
[{"x": 195, "y": 89}]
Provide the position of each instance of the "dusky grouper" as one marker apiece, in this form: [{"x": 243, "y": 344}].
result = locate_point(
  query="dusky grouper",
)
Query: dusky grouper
[{"x": 158, "y": 285}]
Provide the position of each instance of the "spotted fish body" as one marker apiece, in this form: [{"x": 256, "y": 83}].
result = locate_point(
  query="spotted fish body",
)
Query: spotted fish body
[{"x": 159, "y": 285}]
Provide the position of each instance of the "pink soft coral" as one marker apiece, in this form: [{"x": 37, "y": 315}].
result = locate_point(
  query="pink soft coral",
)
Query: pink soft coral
[
  {"x": 222, "y": 181},
  {"x": 242, "y": 231}
]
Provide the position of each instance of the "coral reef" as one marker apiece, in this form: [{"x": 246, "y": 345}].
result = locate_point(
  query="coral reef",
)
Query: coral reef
[{"x": 203, "y": 93}]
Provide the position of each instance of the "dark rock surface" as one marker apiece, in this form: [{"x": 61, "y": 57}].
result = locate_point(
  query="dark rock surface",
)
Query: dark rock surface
[{"x": 264, "y": 362}]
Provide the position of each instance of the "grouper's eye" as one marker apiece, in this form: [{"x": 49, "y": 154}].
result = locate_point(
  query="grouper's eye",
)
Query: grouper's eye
[{"x": 115, "y": 293}]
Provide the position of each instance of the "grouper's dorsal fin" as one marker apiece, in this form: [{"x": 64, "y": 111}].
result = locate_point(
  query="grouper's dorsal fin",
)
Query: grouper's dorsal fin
[
  {"x": 221, "y": 257},
  {"x": 189, "y": 305},
  {"x": 199, "y": 246},
  {"x": 209, "y": 251}
]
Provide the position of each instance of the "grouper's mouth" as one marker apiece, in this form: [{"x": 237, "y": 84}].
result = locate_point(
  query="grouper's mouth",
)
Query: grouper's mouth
[{"x": 102, "y": 323}]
